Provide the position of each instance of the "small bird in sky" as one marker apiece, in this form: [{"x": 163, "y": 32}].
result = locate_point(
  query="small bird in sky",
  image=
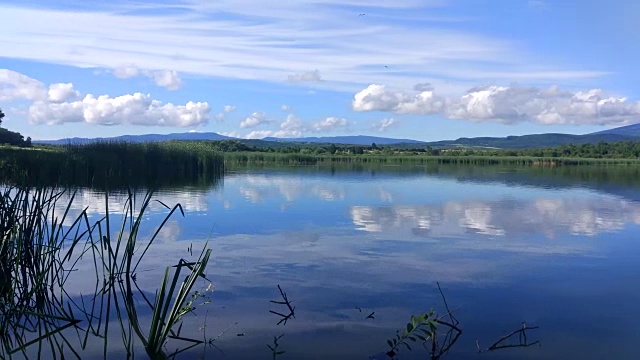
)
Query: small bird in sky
[{"x": 362, "y": 14}]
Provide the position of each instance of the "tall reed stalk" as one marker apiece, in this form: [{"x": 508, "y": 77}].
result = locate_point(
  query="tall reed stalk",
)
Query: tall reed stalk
[{"x": 40, "y": 248}]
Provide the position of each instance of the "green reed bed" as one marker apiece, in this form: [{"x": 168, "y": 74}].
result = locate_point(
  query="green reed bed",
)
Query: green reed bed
[
  {"x": 200, "y": 163},
  {"x": 40, "y": 249},
  {"x": 262, "y": 158},
  {"x": 113, "y": 165}
]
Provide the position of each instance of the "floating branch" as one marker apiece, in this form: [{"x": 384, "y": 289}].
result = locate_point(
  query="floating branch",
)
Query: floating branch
[
  {"x": 287, "y": 302},
  {"x": 438, "y": 348},
  {"x": 522, "y": 339}
]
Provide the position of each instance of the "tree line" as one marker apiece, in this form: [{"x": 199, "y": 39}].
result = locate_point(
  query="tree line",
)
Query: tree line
[
  {"x": 12, "y": 138},
  {"x": 600, "y": 150}
]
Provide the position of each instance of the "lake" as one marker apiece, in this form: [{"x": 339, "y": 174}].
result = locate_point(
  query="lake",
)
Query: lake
[{"x": 555, "y": 248}]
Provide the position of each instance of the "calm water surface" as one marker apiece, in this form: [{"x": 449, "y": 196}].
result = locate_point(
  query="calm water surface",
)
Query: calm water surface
[{"x": 557, "y": 254}]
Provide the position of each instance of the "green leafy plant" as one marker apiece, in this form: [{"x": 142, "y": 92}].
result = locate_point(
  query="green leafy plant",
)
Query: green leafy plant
[{"x": 421, "y": 327}]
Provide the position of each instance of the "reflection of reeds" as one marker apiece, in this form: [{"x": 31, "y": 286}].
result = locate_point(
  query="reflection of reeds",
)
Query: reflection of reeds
[
  {"x": 285, "y": 301},
  {"x": 32, "y": 254},
  {"x": 39, "y": 255},
  {"x": 274, "y": 349}
]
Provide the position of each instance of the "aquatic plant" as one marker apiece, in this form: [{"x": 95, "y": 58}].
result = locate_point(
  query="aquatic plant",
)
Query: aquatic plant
[{"x": 39, "y": 252}]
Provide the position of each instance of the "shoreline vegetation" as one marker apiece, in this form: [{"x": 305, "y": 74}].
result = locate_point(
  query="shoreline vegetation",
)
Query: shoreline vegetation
[
  {"x": 171, "y": 164},
  {"x": 116, "y": 166}
]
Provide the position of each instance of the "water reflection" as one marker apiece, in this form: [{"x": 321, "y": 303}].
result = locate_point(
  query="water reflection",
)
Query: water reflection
[
  {"x": 95, "y": 204},
  {"x": 339, "y": 241},
  {"x": 507, "y": 217}
]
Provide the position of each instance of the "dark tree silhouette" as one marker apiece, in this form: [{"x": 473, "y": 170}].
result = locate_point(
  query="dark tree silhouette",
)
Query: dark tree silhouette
[{"x": 1, "y": 116}]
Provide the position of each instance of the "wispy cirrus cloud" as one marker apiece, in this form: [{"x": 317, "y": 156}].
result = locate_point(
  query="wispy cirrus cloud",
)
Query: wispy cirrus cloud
[
  {"x": 270, "y": 41},
  {"x": 307, "y": 76}
]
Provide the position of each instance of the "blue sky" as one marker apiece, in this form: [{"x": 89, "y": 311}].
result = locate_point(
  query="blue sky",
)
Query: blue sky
[{"x": 421, "y": 69}]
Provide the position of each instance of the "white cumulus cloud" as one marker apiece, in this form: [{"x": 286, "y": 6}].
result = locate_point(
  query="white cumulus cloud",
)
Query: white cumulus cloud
[
  {"x": 166, "y": 78},
  {"x": 135, "y": 109},
  {"x": 14, "y": 85},
  {"x": 285, "y": 107},
  {"x": 253, "y": 120},
  {"x": 329, "y": 124},
  {"x": 62, "y": 103},
  {"x": 384, "y": 124},
  {"x": 292, "y": 123},
  {"x": 378, "y": 97},
  {"x": 62, "y": 92},
  {"x": 291, "y": 127},
  {"x": 506, "y": 104},
  {"x": 126, "y": 71},
  {"x": 225, "y": 110}
]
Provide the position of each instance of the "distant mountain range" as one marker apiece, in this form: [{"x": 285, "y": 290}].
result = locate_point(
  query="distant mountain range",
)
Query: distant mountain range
[
  {"x": 625, "y": 133},
  {"x": 531, "y": 141},
  {"x": 141, "y": 138},
  {"x": 629, "y": 130},
  {"x": 346, "y": 140}
]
